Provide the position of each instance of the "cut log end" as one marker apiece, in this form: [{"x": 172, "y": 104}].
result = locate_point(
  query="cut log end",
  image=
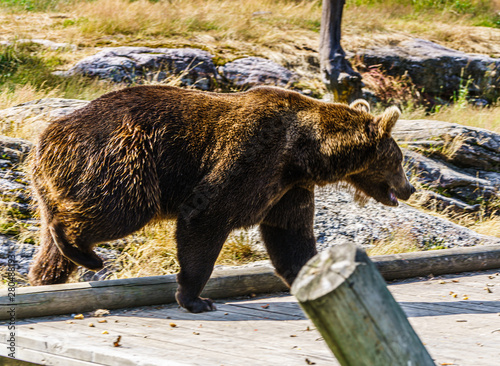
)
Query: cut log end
[{"x": 325, "y": 272}]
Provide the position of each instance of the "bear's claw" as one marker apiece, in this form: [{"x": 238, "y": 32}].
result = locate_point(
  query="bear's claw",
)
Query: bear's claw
[{"x": 197, "y": 305}]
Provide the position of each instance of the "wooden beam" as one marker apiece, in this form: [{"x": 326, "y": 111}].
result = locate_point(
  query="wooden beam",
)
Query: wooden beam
[
  {"x": 227, "y": 282},
  {"x": 131, "y": 292},
  {"x": 438, "y": 262},
  {"x": 347, "y": 299}
]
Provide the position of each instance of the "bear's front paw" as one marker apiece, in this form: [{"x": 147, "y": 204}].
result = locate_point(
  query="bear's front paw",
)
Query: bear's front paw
[{"x": 196, "y": 305}]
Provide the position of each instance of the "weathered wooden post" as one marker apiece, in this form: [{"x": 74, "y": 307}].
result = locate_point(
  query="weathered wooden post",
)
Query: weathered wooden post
[{"x": 347, "y": 299}]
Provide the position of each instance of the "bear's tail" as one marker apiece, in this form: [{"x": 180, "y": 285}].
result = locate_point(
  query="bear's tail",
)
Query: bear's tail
[
  {"x": 87, "y": 259},
  {"x": 49, "y": 265}
]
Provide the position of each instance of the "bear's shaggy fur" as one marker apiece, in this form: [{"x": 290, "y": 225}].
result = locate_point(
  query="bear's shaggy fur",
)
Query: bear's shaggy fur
[{"x": 215, "y": 162}]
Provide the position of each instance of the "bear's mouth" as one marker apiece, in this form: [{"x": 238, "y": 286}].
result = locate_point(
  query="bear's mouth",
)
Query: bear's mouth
[{"x": 392, "y": 197}]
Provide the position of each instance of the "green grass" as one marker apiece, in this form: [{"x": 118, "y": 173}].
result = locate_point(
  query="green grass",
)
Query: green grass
[
  {"x": 480, "y": 12},
  {"x": 34, "y": 5},
  {"x": 29, "y": 67}
]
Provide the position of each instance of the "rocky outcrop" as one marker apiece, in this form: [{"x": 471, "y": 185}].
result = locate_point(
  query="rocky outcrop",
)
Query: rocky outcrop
[
  {"x": 251, "y": 71},
  {"x": 192, "y": 66},
  {"x": 423, "y": 61},
  {"x": 460, "y": 165},
  {"x": 33, "y": 116}
]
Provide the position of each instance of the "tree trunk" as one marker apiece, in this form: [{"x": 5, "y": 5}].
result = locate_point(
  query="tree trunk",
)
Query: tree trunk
[{"x": 337, "y": 74}]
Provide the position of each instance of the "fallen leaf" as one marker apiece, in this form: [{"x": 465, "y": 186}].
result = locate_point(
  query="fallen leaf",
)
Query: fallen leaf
[
  {"x": 309, "y": 362},
  {"x": 173, "y": 325},
  {"x": 102, "y": 321},
  {"x": 79, "y": 316},
  {"x": 455, "y": 281},
  {"x": 100, "y": 312},
  {"x": 196, "y": 333},
  {"x": 117, "y": 342},
  {"x": 488, "y": 290},
  {"x": 265, "y": 306},
  {"x": 69, "y": 322},
  {"x": 91, "y": 325},
  {"x": 442, "y": 282},
  {"x": 293, "y": 335},
  {"x": 105, "y": 332}
]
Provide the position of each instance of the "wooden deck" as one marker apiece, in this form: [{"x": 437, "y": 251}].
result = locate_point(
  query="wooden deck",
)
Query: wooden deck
[{"x": 264, "y": 330}]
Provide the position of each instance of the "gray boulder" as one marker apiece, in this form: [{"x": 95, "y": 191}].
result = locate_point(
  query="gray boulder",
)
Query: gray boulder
[
  {"x": 32, "y": 117},
  {"x": 251, "y": 71},
  {"x": 194, "y": 67},
  {"x": 459, "y": 164},
  {"x": 437, "y": 69}
]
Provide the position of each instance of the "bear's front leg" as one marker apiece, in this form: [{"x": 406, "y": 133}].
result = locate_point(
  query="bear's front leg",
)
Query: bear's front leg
[
  {"x": 288, "y": 233},
  {"x": 199, "y": 241}
]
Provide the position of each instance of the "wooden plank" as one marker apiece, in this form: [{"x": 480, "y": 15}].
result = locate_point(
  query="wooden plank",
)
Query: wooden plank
[
  {"x": 163, "y": 340},
  {"x": 436, "y": 262},
  {"x": 113, "y": 294},
  {"x": 348, "y": 301},
  {"x": 225, "y": 282},
  {"x": 448, "y": 338},
  {"x": 41, "y": 358},
  {"x": 88, "y": 344}
]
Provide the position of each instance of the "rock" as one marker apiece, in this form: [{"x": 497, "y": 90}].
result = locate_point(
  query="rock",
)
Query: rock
[
  {"x": 251, "y": 71},
  {"x": 13, "y": 151},
  {"x": 422, "y": 60},
  {"x": 194, "y": 67},
  {"x": 445, "y": 205},
  {"x": 460, "y": 162},
  {"x": 33, "y": 116},
  {"x": 22, "y": 252}
]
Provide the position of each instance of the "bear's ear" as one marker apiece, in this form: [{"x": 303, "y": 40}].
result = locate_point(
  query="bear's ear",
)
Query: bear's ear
[
  {"x": 360, "y": 105},
  {"x": 387, "y": 120}
]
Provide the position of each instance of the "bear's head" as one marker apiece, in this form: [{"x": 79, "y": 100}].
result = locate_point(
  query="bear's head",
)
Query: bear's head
[{"x": 384, "y": 179}]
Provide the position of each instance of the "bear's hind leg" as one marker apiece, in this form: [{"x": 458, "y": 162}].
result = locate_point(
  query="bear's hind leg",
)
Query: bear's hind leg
[
  {"x": 198, "y": 246},
  {"x": 288, "y": 233},
  {"x": 49, "y": 265}
]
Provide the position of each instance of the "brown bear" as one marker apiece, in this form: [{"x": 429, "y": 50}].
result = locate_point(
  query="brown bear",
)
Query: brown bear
[{"x": 215, "y": 162}]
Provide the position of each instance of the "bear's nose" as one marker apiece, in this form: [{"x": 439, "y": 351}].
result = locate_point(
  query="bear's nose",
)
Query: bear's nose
[{"x": 412, "y": 190}]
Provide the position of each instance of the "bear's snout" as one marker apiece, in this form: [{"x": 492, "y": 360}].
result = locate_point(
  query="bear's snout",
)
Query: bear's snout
[{"x": 406, "y": 192}]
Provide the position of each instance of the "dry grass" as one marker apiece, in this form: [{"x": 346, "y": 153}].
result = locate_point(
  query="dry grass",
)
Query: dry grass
[
  {"x": 22, "y": 94},
  {"x": 152, "y": 252},
  {"x": 488, "y": 118},
  {"x": 400, "y": 241},
  {"x": 489, "y": 226}
]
